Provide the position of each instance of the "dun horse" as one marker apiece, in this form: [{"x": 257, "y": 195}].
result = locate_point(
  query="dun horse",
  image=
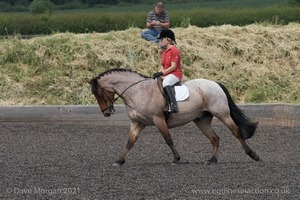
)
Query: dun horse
[{"x": 145, "y": 104}]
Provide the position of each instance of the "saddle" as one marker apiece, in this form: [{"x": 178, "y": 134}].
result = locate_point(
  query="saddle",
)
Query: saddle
[{"x": 180, "y": 91}]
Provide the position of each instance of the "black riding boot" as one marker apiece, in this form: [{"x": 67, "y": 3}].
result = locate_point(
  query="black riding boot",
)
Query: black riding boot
[{"x": 172, "y": 101}]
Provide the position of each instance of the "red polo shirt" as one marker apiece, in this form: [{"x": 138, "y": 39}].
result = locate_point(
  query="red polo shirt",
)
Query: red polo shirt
[{"x": 172, "y": 55}]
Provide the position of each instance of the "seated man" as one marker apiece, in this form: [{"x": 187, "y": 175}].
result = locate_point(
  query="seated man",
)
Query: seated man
[{"x": 157, "y": 20}]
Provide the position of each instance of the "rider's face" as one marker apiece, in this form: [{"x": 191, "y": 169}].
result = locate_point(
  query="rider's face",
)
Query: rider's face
[{"x": 163, "y": 43}]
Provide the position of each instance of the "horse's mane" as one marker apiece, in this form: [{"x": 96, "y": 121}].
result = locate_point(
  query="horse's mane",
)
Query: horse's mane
[
  {"x": 118, "y": 70},
  {"x": 94, "y": 81}
]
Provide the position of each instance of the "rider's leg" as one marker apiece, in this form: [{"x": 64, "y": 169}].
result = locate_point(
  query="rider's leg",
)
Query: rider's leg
[
  {"x": 172, "y": 100},
  {"x": 168, "y": 81}
]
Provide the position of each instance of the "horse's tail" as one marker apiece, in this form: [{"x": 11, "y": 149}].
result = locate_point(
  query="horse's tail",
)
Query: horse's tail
[{"x": 246, "y": 127}]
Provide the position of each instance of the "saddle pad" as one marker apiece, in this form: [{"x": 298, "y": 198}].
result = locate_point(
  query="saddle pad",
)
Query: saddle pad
[{"x": 181, "y": 93}]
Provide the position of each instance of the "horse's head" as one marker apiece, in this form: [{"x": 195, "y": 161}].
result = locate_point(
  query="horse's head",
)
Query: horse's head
[{"x": 104, "y": 97}]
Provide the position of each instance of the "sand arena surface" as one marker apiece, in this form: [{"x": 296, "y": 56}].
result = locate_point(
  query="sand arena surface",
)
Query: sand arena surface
[{"x": 74, "y": 161}]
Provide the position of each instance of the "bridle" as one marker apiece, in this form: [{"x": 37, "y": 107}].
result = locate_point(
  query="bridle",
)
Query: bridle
[
  {"x": 112, "y": 101},
  {"x": 111, "y": 106}
]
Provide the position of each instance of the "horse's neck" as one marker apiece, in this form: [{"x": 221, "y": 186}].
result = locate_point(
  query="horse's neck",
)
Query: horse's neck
[{"x": 122, "y": 84}]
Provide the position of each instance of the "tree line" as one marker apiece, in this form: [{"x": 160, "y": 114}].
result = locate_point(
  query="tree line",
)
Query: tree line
[
  {"x": 61, "y": 2},
  {"x": 23, "y": 5}
]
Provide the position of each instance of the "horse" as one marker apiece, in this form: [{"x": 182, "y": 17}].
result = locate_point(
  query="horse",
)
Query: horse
[{"x": 145, "y": 102}]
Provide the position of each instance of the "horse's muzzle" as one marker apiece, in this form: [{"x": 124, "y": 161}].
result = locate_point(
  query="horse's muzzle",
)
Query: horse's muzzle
[{"x": 109, "y": 111}]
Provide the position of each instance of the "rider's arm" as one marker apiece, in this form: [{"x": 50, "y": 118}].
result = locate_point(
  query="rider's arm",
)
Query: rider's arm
[{"x": 170, "y": 69}]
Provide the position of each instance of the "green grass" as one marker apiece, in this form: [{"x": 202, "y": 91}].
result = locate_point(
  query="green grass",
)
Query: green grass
[
  {"x": 188, "y": 6},
  {"x": 182, "y": 6},
  {"x": 177, "y": 6},
  {"x": 202, "y": 14},
  {"x": 88, "y": 22}
]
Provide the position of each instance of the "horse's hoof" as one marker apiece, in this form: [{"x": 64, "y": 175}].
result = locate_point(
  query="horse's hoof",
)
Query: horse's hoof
[
  {"x": 213, "y": 160},
  {"x": 175, "y": 161},
  {"x": 261, "y": 162},
  {"x": 119, "y": 162},
  {"x": 116, "y": 164}
]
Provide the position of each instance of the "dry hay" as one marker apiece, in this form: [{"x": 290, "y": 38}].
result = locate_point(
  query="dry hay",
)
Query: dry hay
[{"x": 256, "y": 62}]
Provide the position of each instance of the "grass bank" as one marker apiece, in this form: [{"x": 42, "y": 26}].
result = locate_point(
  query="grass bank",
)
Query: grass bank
[{"x": 258, "y": 63}]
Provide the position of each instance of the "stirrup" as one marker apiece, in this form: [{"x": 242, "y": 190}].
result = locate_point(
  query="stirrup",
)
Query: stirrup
[
  {"x": 172, "y": 109},
  {"x": 167, "y": 108}
]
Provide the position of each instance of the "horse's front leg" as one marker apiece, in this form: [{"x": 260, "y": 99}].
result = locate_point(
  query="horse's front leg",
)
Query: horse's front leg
[
  {"x": 162, "y": 126},
  {"x": 135, "y": 130}
]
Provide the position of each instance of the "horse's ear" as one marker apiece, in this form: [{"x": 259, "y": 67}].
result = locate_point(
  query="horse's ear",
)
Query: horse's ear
[{"x": 88, "y": 80}]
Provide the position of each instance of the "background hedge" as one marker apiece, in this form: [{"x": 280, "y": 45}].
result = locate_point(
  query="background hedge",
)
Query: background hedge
[{"x": 83, "y": 22}]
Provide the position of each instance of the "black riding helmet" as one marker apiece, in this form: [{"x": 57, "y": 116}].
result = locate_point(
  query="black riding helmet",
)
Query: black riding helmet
[{"x": 167, "y": 33}]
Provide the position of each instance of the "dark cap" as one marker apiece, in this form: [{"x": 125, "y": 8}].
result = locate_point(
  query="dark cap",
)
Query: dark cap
[{"x": 167, "y": 33}]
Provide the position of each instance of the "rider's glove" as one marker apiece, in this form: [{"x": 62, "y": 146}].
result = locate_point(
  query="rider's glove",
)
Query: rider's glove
[{"x": 157, "y": 74}]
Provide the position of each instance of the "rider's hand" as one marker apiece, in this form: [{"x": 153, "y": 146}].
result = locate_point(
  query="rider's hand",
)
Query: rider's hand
[{"x": 157, "y": 74}]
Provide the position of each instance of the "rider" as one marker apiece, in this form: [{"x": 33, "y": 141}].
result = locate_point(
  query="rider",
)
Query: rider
[{"x": 171, "y": 66}]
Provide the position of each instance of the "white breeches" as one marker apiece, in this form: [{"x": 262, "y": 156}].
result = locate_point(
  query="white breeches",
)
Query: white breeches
[{"x": 170, "y": 80}]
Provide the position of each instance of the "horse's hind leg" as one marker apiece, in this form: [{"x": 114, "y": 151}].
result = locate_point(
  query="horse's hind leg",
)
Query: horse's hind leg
[
  {"x": 162, "y": 126},
  {"x": 204, "y": 124},
  {"x": 135, "y": 130},
  {"x": 228, "y": 121}
]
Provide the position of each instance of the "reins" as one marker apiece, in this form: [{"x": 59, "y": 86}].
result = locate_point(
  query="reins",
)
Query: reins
[
  {"x": 119, "y": 95},
  {"x": 127, "y": 89}
]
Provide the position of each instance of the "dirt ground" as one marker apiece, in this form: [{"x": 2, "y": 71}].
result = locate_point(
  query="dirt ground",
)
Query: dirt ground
[{"x": 74, "y": 161}]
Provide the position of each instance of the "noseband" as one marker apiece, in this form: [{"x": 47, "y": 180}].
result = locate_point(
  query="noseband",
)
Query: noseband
[{"x": 111, "y": 106}]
